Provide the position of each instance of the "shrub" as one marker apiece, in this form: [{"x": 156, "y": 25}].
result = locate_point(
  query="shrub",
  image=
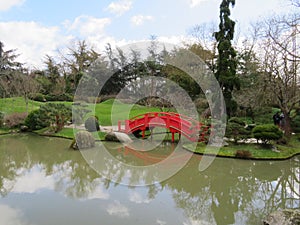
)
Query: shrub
[
  {"x": 236, "y": 129},
  {"x": 56, "y": 114},
  {"x": 201, "y": 104},
  {"x": 267, "y": 132},
  {"x": 92, "y": 124},
  {"x": 49, "y": 115},
  {"x": 36, "y": 121},
  {"x": 295, "y": 124},
  {"x": 61, "y": 97},
  {"x": 263, "y": 115},
  {"x": 15, "y": 120},
  {"x": 38, "y": 97},
  {"x": 243, "y": 154}
]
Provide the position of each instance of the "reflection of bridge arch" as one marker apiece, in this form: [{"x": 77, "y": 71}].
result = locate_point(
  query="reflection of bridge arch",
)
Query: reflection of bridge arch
[
  {"x": 174, "y": 122},
  {"x": 150, "y": 157}
]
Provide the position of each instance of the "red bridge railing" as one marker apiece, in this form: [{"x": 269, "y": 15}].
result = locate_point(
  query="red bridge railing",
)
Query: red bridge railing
[{"x": 176, "y": 123}]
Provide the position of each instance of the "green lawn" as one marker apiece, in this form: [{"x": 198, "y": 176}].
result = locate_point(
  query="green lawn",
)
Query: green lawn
[
  {"x": 17, "y": 105},
  {"x": 103, "y": 110},
  {"x": 254, "y": 151},
  {"x": 110, "y": 111},
  {"x": 69, "y": 133}
]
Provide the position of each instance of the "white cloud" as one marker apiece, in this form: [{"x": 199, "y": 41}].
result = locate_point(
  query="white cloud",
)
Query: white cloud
[
  {"x": 160, "y": 222},
  {"x": 195, "y": 3},
  {"x": 99, "y": 193},
  {"x": 31, "y": 40},
  {"x": 119, "y": 8},
  {"x": 10, "y": 216},
  {"x": 7, "y": 4},
  {"x": 197, "y": 222},
  {"x": 138, "y": 198},
  {"x": 140, "y": 19},
  {"x": 91, "y": 29},
  {"x": 117, "y": 209},
  {"x": 87, "y": 25},
  {"x": 33, "y": 180}
]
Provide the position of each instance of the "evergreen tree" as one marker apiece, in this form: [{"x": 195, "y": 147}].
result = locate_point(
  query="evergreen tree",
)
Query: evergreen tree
[{"x": 227, "y": 63}]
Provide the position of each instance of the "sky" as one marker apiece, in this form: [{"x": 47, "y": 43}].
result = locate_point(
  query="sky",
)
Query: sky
[{"x": 36, "y": 28}]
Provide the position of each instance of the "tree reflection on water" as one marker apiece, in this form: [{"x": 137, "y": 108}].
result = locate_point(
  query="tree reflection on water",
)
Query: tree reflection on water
[{"x": 228, "y": 192}]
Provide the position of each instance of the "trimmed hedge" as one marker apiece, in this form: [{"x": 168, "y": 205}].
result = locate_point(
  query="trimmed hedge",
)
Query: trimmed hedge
[
  {"x": 236, "y": 129},
  {"x": 51, "y": 98},
  {"x": 267, "y": 132}
]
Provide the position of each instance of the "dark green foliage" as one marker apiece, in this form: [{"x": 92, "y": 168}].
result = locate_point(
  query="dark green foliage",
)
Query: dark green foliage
[
  {"x": 38, "y": 97},
  {"x": 65, "y": 97},
  {"x": 51, "y": 115},
  {"x": 36, "y": 120},
  {"x": 92, "y": 124},
  {"x": 267, "y": 132},
  {"x": 183, "y": 80},
  {"x": 236, "y": 129},
  {"x": 263, "y": 115},
  {"x": 227, "y": 63},
  {"x": 295, "y": 121}
]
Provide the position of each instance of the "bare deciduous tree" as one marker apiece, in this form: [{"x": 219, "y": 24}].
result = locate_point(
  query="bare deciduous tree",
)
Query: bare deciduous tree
[{"x": 280, "y": 62}]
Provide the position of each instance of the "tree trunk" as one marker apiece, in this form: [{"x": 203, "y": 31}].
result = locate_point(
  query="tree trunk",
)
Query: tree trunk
[
  {"x": 286, "y": 124},
  {"x": 26, "y": 102}
]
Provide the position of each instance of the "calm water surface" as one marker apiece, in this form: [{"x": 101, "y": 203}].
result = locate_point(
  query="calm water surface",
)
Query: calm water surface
[{"x": 42, "y": 182}]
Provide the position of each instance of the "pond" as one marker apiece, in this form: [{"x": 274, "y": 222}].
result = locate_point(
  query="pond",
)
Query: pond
[{"x": 43, "y": 182}]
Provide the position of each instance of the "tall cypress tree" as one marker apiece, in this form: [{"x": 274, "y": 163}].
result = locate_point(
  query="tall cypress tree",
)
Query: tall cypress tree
[{"x": 227, "y": 63}]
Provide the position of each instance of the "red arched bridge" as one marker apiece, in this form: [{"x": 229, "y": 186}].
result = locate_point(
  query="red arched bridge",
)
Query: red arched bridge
[{"x": 174, "y": 122}]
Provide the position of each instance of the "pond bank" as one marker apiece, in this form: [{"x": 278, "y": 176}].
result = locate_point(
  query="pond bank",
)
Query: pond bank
[
  {"x": 244, "y": 151},
  {"x": 251, "y": 151}
]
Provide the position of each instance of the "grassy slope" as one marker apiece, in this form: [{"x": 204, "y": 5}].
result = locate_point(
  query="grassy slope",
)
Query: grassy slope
[
  {"x": 17, "y": 105},
  {"x": 110, "y": 111},
  {"x": 103, "y": 110}
]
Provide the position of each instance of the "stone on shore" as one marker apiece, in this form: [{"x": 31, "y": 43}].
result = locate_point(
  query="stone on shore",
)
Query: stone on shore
[
  {"x": 83, "y": 140},
  {"x": 117, "y": 137},
  {"x": 283, "y": 217}
]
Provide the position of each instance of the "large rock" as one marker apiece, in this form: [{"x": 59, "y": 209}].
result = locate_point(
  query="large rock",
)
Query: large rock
[
  {"x": 83, "y": 140},
  {"x": 283, "y": 217},
  {"x": 24, "y": 128},
  {"x": 117, "y": 137}
]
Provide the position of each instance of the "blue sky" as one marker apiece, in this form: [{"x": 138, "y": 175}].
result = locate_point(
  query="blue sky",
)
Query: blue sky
[{"x": 39, "y": 27}]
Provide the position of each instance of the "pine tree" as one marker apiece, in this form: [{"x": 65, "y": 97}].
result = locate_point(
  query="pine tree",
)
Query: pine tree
[{"x": 227, "y": 63}]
